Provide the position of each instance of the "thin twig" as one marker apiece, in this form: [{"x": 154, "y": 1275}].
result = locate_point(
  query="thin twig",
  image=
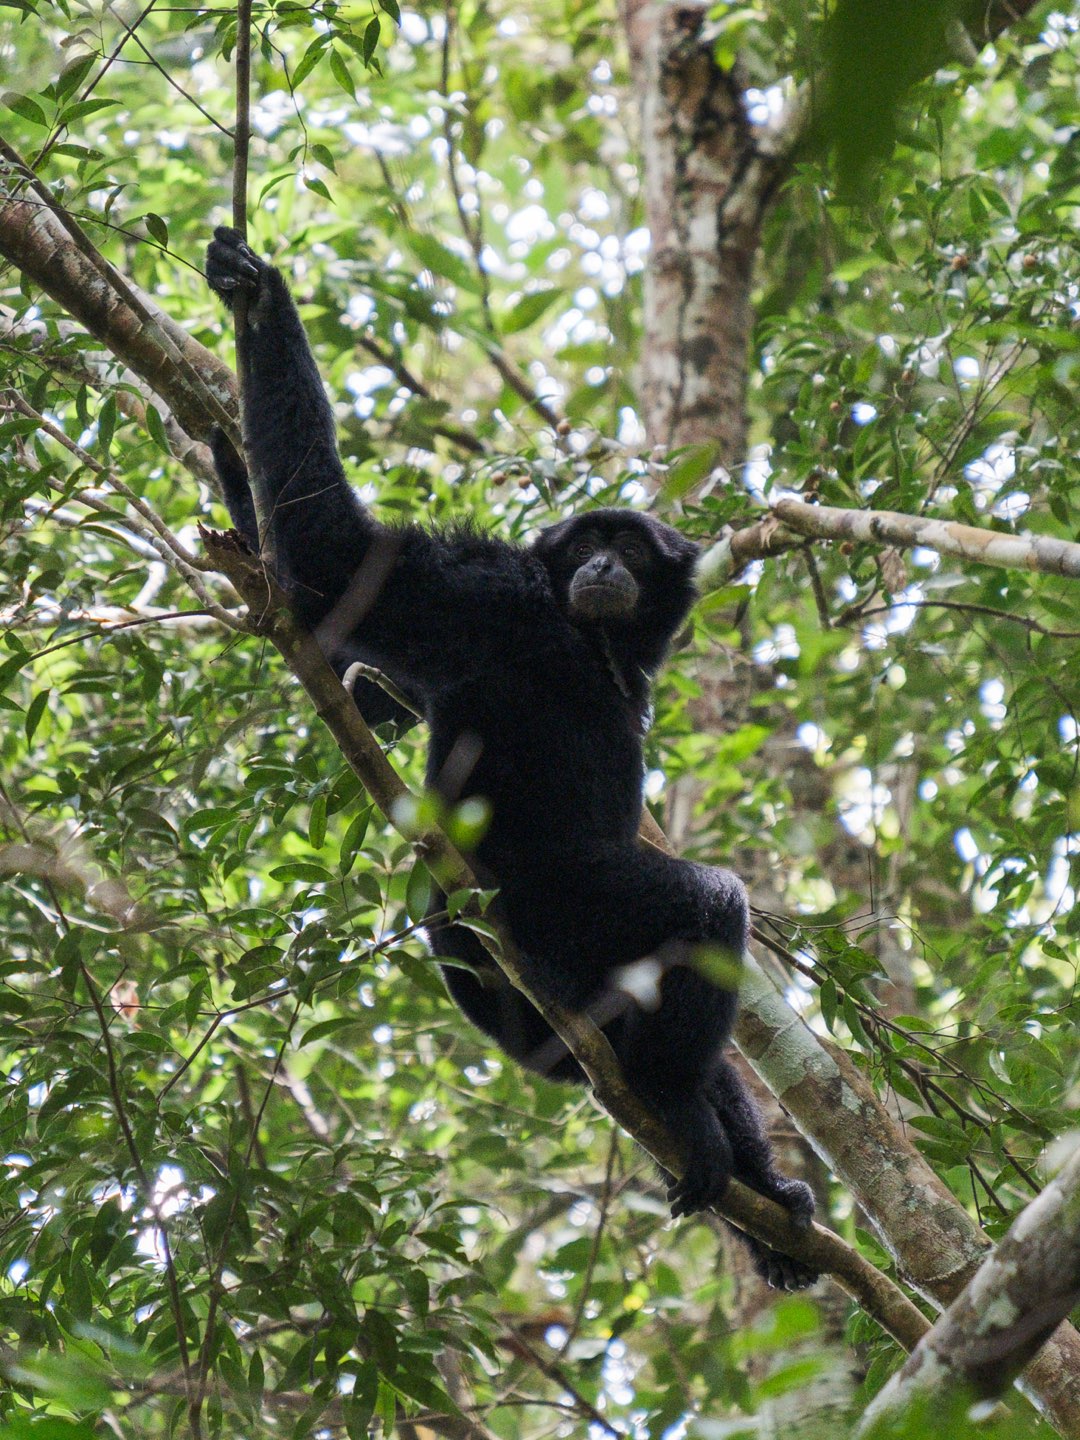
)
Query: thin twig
[
  {"x": 472, "y": 229},
  {"x": 821, "y": 600},
  {"x": 109, "y": 627},
  {"x": 138, "y": 304},
  {"x": 594, "y": 1250},
  {"x": 458, "y": 434},
  {"x": 91, "y": 85},
  {"x": 152, "y": 529},
  {"x": 217, "y": 1290},
  {"x": 518, "y": 383},
  {"x": 553, "y": 1371},
  {"x": 358, "y": 670},
  {"x": 166, "y": 76},
  {"x": 241, "y": 145},
  {"x": 972, "y": 608},
  {"x": 471, "y": 225},
  {"x": 123, "y": 1120}
]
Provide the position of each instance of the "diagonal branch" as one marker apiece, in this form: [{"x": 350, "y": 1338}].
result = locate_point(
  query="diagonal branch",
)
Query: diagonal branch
[
  {"x": 1024, "y": 1289},
  {"x": 762, "y": 1218},
  {"x": 46, "y": 244},
  {"x": 832, "y": 1102}
]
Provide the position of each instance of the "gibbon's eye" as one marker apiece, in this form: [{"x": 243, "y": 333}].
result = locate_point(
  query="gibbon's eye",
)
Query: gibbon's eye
[
  {"x": 631, "y": 550},
  {"x": 583, "y": 550}
]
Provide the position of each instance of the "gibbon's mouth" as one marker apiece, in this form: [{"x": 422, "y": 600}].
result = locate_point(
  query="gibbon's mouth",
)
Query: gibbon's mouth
[{"x": 603, "y": 601}]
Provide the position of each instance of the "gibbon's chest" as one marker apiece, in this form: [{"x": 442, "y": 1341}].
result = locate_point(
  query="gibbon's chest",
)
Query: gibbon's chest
[{"x": 548, "y": 735}]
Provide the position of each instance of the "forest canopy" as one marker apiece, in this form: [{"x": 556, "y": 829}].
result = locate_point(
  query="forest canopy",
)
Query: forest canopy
[{"x": 801, "y": 281}]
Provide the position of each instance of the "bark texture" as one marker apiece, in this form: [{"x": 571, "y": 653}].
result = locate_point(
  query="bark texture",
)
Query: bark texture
[
  {"x": 149, "y": 342},
  {"x": 968, "y": 542},
  {"x": 935, "y": 1243},
  {"x": 1017, "y": 1297},
  {"x": 704, "y": 199}
]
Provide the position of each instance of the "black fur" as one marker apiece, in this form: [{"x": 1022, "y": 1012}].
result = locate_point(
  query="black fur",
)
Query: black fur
[{"x": 532, "y": 667}]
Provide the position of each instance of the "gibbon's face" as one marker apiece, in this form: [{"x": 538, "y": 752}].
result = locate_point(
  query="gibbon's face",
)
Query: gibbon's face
[{"x": 607, "y": 564}]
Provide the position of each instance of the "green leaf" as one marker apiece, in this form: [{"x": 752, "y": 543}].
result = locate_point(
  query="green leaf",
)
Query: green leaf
[
  {"x": 24, "y": 106},
  {"x": 71, "y": 1380},
  {"x": 324, "y": 156},
  {"x": 692, "y": 466},
  {"x": 156, "y": 427},
  {"x": 387, "y": 1404},
  {"x": 45, "y": 1427},
  {"x": 342, "y": 74},
  {"x": 109, "y": 1224},
  {"x": 207, "y": 819},
  {"x": 304, "y": 870},
  {"x": 310, "y": 58},
  {"x": 421, "y": 973},
  {"x": 418, "y": 891},
  {"x": 10, "y": 668},
  {"x": 483, "y": 928},
  {"x": 106, "y": 424},
  {"x": 354, "y": 838},
  {"x": 827, "y": 998},
  {"x": 326, "y": 1027},
  {"x": 441, "y": 261},
  {"x": 317, "y": 822},
  {"x": 35, "y": 710},
  {"x": 71, "y": 114},
  {"x": 156, "y": 228},
  {"x": 528, "y": 309},
  {"x": 855, "y": 267},
  {"x": 256, "y": 1377},
  {"x": 73, "y": 74},
  {"x": 372, "y": 32},
  {"x": 422, "y": 1386},
  {"x": 358, "y": 1408}
]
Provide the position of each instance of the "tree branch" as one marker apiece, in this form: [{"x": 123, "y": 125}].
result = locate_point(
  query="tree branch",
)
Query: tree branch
[
  {"x": 819, "y": 1248},
  {"x": 930, "y": 1233},
  {"x": 40, "y": 240},
  {"x": 1006, "y": 1312},
  {"x": 948, "y": 537},
  {"x": 791, "y": 522}
]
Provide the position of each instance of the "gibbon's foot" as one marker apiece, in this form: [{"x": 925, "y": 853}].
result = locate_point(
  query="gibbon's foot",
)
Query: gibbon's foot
[
  {"x": 709, "y": 1159},
  {"x": 703, "y": 1187},
  {"x": 797, "y": 1199},
  {"x": 779, "y": 1271}
]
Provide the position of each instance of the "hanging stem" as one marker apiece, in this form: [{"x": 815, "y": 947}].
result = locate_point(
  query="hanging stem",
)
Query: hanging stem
[{"x": 241, "y": 144}]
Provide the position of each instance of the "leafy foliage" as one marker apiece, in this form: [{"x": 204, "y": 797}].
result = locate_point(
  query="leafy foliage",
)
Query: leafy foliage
[{"x": 244, "y": 1136}]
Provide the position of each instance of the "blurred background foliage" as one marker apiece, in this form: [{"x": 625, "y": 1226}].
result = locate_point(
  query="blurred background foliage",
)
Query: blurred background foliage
[{"x": 379, "y": 1210}]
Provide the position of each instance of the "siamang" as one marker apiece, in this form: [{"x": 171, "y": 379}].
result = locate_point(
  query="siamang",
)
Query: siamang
[{"x": 532, "y": 667}]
